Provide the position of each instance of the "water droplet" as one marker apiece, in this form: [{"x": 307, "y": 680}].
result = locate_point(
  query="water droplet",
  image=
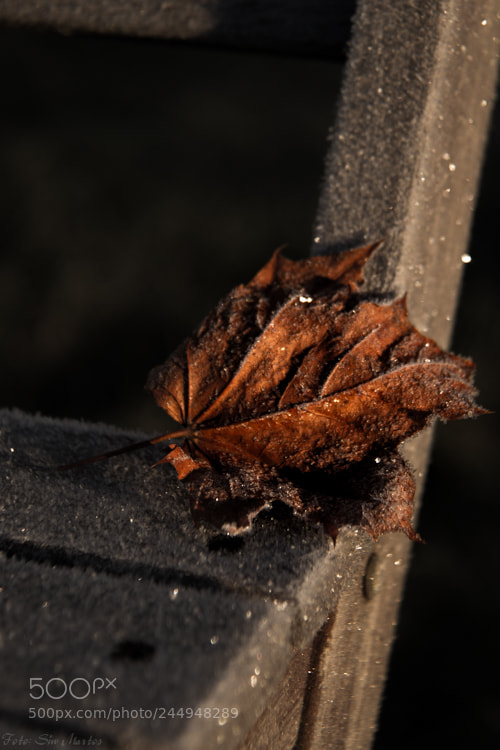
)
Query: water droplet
[
  {"x": 253, "y": 680},
  {"x": 484, "y": 103},
  {"x": 12, "y": 450},
  {"x": 305, "y": 298},
  {"x": 452, "y": 167},
  {"x": 466, "y": 258},
  {"x": 174, "y": 594},
  {"x": 446, "y": 156},
  {"x": 378, "y": 460},
  {"x": 484, "y": 22},
  {"x": 214, "y": 639}
]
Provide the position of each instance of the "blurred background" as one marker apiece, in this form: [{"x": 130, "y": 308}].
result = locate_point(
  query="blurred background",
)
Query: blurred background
[{"x": 141, "y": 180}]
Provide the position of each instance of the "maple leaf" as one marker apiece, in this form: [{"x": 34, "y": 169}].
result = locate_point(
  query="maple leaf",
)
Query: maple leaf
[{"x": 297, "y": 388}]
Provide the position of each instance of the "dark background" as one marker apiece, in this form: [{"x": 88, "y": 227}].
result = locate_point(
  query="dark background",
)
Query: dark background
[{"x": 140, "y": 181}]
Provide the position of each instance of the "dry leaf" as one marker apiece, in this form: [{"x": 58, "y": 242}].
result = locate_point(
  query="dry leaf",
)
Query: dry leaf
[{"x": 296, "y": 388}]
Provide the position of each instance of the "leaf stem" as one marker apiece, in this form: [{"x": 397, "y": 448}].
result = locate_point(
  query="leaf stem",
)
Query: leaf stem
[{"x": 124, "y": 449}]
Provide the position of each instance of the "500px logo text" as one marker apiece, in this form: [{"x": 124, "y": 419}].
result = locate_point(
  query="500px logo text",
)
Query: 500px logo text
[{"x": 78, "y": 688}]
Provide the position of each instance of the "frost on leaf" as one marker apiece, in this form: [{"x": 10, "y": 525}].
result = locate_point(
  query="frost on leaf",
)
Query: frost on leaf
[{"x": 297, "y": 388}]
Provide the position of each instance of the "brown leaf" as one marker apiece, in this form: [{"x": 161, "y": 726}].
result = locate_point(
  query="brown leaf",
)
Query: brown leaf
[{"x": 296, "y": 388}]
